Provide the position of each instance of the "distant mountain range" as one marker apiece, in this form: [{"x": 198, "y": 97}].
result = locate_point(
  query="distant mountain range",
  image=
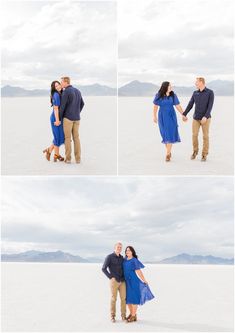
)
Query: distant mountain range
[
  {"x": 59, "y": 256},
  {"x": 137, "y": 88},
  {"x": 185, "y": 259},
  {"x": 89, "y": 90},
  {"x": 133, "y": 88}
]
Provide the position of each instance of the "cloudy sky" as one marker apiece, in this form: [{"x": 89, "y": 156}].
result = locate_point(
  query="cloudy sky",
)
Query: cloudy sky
[
  {"x": 161, "y": 217},
  {"x": 43, "y": 40},
  {"x": 175, "y": 40}
]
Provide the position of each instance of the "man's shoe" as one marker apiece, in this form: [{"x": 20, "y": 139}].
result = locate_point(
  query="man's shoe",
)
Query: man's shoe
[
  {"x": 78, "y": 162},
  {"x": 193, "y": 156},
  {"x": 124, "y": 317},
  {"x": 113, "y": 320},
  {"x": 67, "y": 161},
  {"x": 203, "y": 158}
]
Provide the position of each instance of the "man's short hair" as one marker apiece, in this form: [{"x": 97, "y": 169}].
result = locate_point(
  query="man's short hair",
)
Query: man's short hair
[
  {"x": 201, "y": 79},
  {"x": 66, "y": 79},
  {"x": 118, "y": 243}
]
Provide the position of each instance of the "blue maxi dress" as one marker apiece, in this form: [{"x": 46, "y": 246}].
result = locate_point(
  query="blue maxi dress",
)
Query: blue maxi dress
[
  {"x": 137, "y": 292},
  {"x": 58, "y": 132},
  {"x": 167, "y": 120}
]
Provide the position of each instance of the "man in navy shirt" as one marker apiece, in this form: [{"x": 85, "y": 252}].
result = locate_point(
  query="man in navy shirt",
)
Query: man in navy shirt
[
  {"x": 113, "y": 269},
  {"x": 203, "y": 98},
  {"x": 70, "y": 109}
]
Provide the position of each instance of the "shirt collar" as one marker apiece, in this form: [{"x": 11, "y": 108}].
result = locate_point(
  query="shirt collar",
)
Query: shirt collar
[{"x": 205, "y": 89}]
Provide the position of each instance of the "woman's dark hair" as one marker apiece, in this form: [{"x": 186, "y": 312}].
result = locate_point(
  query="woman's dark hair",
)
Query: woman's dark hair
[
  {"x": 132, "y": 251},
  {"x": 163, "y": 89},
  {"x": 53, "y": 90}
]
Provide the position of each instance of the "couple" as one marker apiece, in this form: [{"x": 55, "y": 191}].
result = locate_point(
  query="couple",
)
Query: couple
[
  {"x": 67, "y": 105},
  {"x": 126, "y": 277},
  {"x": 166, "y": 99}
]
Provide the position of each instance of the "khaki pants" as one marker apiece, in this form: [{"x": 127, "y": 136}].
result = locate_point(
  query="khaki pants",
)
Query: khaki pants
[
  {"x": 205, "y": 131},
  {"x": 71, "y": 128},
  {"x": 115, "y": 287}
]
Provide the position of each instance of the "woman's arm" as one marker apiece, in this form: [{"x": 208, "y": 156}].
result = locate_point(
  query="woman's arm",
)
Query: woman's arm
[
  {"x": 155, "y": 110},
  {"x": 56, "y": 112},
  {"x": 181, "y": 111},
  {"x": 141, "y": 275}
]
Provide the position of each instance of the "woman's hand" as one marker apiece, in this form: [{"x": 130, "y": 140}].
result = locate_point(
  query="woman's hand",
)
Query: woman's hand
[
  {"x": 184, "y": 118},
  {"x": 146, "y": 282},
  {"x": 57, "y": 123},
  {"x": 155, "y": 120},
  {"x": 203, "y": 121}
]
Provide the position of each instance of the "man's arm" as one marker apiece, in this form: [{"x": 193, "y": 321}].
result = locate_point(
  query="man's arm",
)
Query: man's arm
[
  {"x": 105, "y": 267},
  {"x": 81, "y": 104},
  {"x": 189, "y": 106},
  {"x": 64, "y": 101},
  {"x": 210, "y": 105}
]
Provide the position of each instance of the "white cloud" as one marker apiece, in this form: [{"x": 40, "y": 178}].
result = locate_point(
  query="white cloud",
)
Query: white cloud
[
  {"x": 160, "y": 216},
  {"x": 50, "y": 39},
  {"x": 175, "y": 40}
]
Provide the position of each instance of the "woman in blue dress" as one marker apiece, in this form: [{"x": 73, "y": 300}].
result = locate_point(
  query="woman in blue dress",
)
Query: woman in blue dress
[
  {"x": 165, "y": 100},
  {"x": 56, "y": 124},
  {"x": 137, "y": 289}
]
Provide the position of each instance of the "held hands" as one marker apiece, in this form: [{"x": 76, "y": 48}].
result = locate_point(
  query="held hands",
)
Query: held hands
[
  {"x": 184, "y": 118},
  {"x": 203, "y": 121},
  {"x": 57, "y": 123}
]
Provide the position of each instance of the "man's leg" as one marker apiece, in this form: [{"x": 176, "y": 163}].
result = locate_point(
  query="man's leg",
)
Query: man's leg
[
  {"x": 195, "y": 129},
  {"x": 205, "y": 131},
  {"x": 122, "y": 292},
  {"x": 67, "y": 126},
  {"x": 114, "y": 289},
  {"x": 76, "y": 141}
]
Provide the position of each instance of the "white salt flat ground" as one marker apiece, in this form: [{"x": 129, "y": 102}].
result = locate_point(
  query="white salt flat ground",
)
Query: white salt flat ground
[
  {"x": 75, "y": 297},
  {"x": 26, "y": 131},
  {"x": 142, "y": 153}
]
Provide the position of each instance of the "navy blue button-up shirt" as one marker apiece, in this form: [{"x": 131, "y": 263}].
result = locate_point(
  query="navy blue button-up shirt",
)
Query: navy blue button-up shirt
[
  {"x": 113, "y": 267},
  {"x": 71, "y": 104},
  {"x": 203, "y": 104}
]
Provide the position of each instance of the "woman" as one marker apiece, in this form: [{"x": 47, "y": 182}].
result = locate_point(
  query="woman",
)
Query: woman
[
  {"x": 166, "y": 99},
  {"x": 56, "y": 124},
  {"x": 137, "y": 289}
]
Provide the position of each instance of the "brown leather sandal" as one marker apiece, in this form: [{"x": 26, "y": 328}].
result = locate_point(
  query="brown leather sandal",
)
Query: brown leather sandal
[
  {"x": 168, "y": 157},
  {"x": 132, "y": 319},
  {"x": 48, "y": 154},
  {"x": 58, "y": 157}
]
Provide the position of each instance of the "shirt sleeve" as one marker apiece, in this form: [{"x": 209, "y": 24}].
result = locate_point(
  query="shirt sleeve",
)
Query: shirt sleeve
[
  {"x": 137, "y": 264},
  {"x": 189, "y": 106},
  {"x": 210, "y": 105},
  {"x": 81, "y": 104},
  {"x": 56, "y": 99},
  {"x": 64, "y": 101},
  {"x": 156, "y": 100},
  {"x": 105, "y": 267},
  {"x": 176, "y": 100}
]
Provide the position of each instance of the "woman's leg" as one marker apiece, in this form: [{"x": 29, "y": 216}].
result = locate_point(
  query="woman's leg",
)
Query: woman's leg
[
  {"x": 130, "y": 307},
  {"x": 57, "y": 150},
  {"x": 168, "y": 148},
  {"x": 134, "y": 309},
  {"x": 51, "y": 148}
]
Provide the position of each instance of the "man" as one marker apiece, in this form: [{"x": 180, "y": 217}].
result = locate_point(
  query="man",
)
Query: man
[
  {"x": 203, "y": 99},
  {"x": 70, "y": 109},
  {"x": 113, "y": 269}
]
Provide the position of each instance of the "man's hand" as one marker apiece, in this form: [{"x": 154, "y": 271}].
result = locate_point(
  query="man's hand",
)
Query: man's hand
[
  {"x": 155, "y": 120},
  {"x": 57, "y": 123},
  {"x": 203, "y": 121},
  {"x": 184, "y": 118}
]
